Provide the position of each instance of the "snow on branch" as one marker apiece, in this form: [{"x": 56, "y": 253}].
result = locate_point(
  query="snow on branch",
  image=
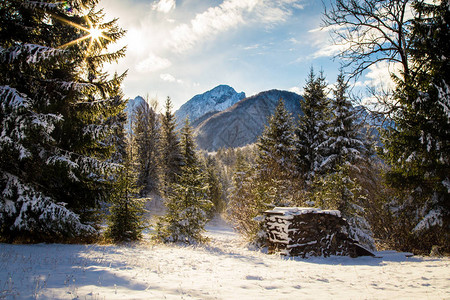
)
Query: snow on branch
[
  {"x": 72, "y": 85},
  {"x": 35, "y": 212},
  {"x": 444, "y": 98},
  {"x": 433, "y": 218},
  {"x": 40, "y": 4},
  {"x": 12, "y": 98},
  {"x": 34, "y": 53}
]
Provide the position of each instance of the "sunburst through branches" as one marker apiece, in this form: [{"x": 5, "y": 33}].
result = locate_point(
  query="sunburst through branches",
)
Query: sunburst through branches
[{"x": 93, "y": 33}]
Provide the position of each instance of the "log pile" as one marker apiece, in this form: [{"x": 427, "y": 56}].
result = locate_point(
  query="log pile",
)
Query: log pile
[{"x": 297, "y": 231}]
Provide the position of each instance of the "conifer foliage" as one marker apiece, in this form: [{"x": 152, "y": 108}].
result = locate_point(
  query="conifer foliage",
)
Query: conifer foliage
[
  {"x": 125, "y": 222},
  {"x": 171, "y": 159},
  {"x": 338, "y": 190},
  {"x": 243, "y": 205},
  {"x": 311, "y": 131},
  {"x": 275, "y": 162},
  {"x": 147, "y": 136},
  {"x": 187, "y": 203},
  {"x": 58, "y": 112},
  {"x": 418, "y": 146},
  {"x": 343, "y": 145}
]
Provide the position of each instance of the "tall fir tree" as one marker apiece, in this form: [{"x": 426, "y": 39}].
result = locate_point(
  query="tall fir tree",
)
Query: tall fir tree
[
  {"x": 337, "y": 187},
  {"x": 171, "y": 159},
  {"x": 312, "y": 129},
  {"x": 187, "y": 204},
  {"x": 58, "y": 116},
  {"x": 418, "y": 147},
  {"x": 147, "y": 136},
  {"x": 275, "y": 167},
  {"x": 344, "y": 144}
]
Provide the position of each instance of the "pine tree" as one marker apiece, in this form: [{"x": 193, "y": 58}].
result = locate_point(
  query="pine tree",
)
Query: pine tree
[
  {"x": 186, "y": 203},
  {"x": 125, "y": 222},
  {"x": 343, "y": 145},
  {"x": 418, "y": 147},
  {"x": 58, "y": 113},
  {"x": 275, "y": 162},
  {"x": 171, "y": 159},
  {"x": 311, "y": 131},
  {"x": 147, "y": 136}
]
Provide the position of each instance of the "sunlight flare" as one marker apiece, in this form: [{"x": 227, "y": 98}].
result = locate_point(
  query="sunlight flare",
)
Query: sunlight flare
[{"x": 93, "y": 33}]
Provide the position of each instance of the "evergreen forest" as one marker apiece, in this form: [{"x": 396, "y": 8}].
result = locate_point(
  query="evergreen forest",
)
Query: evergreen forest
[{"x": 75, "y": 167}]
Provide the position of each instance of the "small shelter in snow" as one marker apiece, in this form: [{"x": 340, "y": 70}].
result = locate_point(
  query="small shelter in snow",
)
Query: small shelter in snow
[{"x": 306, "y": 231}]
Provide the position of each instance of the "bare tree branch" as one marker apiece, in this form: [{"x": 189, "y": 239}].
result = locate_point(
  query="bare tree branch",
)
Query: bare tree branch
[{"x": 369, "y": 31}]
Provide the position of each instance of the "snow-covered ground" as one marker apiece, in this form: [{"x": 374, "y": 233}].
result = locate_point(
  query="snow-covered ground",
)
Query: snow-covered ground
[{"x": 224, "y": 269}]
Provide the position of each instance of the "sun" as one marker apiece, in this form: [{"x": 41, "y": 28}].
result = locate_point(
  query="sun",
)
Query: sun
[{"x": 95, "y": 33}]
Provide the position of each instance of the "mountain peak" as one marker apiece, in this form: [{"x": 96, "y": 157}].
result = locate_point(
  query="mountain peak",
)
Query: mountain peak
[
  {"x": 217, "y": 99},
  {"x": 242, "y": 123}
]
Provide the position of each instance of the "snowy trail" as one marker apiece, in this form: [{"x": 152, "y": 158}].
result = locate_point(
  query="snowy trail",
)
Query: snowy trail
[{"x": 223, "y": 269}]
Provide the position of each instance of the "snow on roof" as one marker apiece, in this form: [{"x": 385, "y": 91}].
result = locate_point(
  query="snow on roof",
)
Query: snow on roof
[{"x": 291, "y": 211}]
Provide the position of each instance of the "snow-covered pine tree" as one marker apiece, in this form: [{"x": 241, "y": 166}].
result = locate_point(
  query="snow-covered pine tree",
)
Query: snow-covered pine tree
[
  {"x": 187, "y": 204},
  {"x": 311, "y": 130},
  {"x": 58, "y": 113},
  {"x": 343, "y": 150},
  {"x": 147, "y": 136},
  {"x": 418, "y": 146},
  {"x": 275, "y": 167},
  {"x": 171, "y": 159},
  {"x": 344, "y": 145}
]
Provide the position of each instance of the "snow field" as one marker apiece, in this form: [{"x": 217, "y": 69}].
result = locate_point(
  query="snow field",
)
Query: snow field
[{"x": 223, "y": 269}]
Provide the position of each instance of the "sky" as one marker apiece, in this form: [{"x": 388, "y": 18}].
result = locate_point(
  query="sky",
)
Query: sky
[{"x": 181, "y": 48}]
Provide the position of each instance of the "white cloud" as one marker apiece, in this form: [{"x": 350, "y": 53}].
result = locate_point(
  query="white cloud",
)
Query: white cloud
[
  {"x": 230, "y": 14},
  {"x": 379, "y": 75},
  {"x": 164, "y": 6},
  {"x": 170, "y": 78},
  {"x": 167, "y": 77},
  {"x": 152, "y": 63}
]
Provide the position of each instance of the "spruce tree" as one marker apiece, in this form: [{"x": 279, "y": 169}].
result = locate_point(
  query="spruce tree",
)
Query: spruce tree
[
  {"x": 147, "y": 136},
  {"x": 171, "y": 159},
  {"x": 187, "y": 204},
  {"x": 344, "y": 145},
  {"x": 125, "y": 222},
  {"x": 58, "y": 113},
  {"x": 418, "y": 147},
  {"x": 312, "y": 128},
  {"x": 275, "y": 161}
]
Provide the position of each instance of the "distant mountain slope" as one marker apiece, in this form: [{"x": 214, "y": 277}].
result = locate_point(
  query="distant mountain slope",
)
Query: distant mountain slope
[
  {"x": 217, "y": 99},
  {"x": 242, "y": 123},
  {"x": 130, "y": 110}
]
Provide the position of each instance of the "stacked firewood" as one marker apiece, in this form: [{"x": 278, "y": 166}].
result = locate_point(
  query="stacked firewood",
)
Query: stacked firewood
[{"x": 305, "y": 232}]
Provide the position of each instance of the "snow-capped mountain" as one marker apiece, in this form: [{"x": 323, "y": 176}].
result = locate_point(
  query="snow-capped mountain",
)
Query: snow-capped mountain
[
  {"x": 130, "y": 109},
  {"x": 242, "y": 123},
  {"x": 215, "y": 100}
]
